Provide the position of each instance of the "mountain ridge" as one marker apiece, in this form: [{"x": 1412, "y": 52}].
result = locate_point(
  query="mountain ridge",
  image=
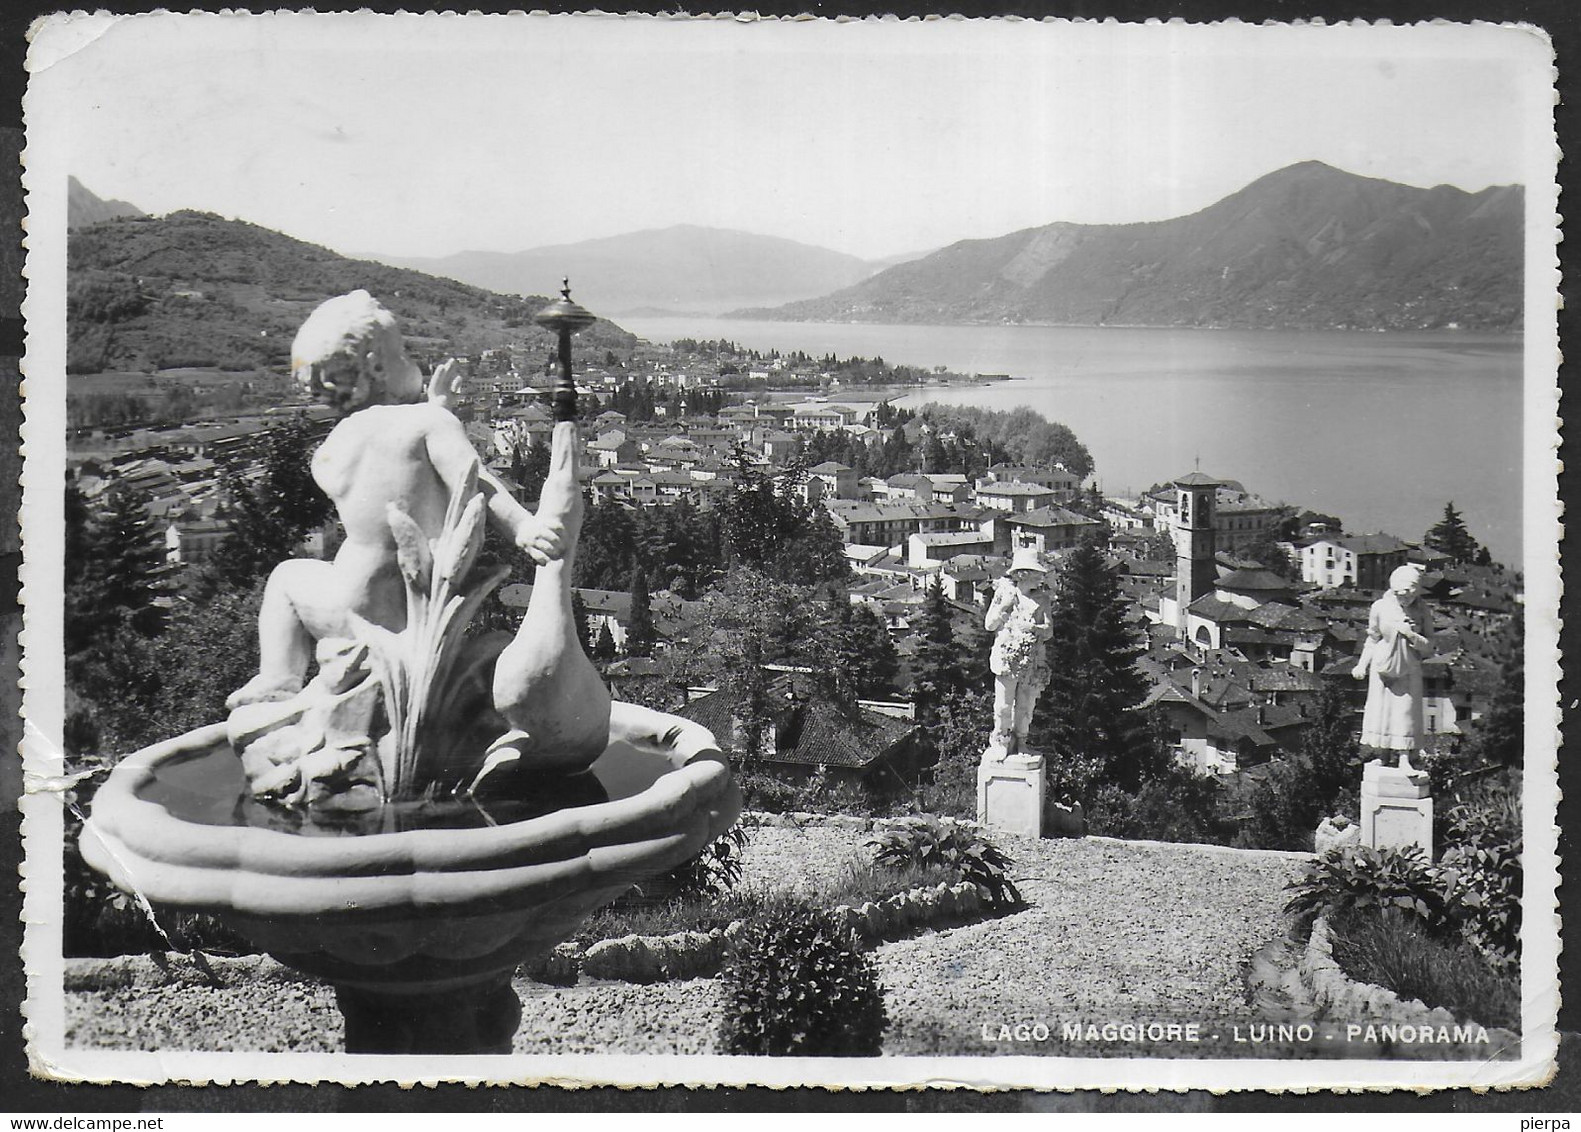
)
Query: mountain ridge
[
  {"x": 1308, "y": 246},
  {"x": 688, "y": 268},
  {"x": 84, "y": 206},
  {"x": 192, "y": 289}
]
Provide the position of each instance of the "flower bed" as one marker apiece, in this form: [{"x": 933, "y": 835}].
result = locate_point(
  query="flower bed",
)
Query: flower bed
[{"x": 1343, "y": 998}]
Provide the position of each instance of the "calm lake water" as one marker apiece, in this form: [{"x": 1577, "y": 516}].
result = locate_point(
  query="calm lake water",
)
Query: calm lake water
[{"x": 1379, "y": 429}]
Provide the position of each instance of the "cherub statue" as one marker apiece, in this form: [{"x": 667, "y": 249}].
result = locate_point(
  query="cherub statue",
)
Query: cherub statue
[
  {"x": 1018, "y": 618},
  {"x": 1399, "y": 638},
  {"x": 391, "y": 447},
  {"x": 412, "y": 495}
]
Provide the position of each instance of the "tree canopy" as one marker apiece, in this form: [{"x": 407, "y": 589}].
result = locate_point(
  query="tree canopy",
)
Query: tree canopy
[
  {"x": 1086, "y": 719},
  {"x": 1023, "y": 434}
]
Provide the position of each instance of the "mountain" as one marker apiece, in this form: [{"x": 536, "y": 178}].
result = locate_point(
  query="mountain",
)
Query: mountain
[
  {"x": 680, "y": 269},
  {"x": 194, "y": 289},
  {"x": 84, "y": 207},
  {"x": 1306, "y": 247}
]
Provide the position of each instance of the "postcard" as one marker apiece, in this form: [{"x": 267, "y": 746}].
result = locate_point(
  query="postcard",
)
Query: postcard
[{"x": 852, "y": 552}]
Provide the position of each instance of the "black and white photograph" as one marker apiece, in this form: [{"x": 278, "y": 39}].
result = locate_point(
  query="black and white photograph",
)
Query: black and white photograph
[{"x": 669, "y": 550}]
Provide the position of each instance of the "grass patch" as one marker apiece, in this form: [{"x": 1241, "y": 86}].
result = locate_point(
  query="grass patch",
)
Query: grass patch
[
  {"x": 1397, "y": 952},
  {"x": 854, "y": 884}
]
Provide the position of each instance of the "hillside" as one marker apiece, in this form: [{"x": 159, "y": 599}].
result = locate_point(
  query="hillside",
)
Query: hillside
[
  {"x": 194, "y": 290},
  {"x": 84, "y": 206},
  {"x": 681, "y": 269},
  {"x": 1307, "y": 247}
]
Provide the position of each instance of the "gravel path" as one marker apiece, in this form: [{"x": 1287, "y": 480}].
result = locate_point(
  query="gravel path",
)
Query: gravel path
[{"x": 1115, "y": 932}]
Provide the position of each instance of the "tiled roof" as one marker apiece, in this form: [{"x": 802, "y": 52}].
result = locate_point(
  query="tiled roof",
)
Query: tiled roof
[
  {"x": 831, "y": 737},
  {"x": 1377, "y": 543},
  {"x": 1144, "y": 567},
  {"x": 1278, "y": 615},
  {"x": 1250, "y": 635},
  {"x": 859, "y": 511},
  {"x": 825, "y": 734},
  {"x": 1014, "y": 487},
  {"x": 1217, "y": 609},
  {"x": 1050, "y": 517},
  {"x": 1252, "y": 581}
]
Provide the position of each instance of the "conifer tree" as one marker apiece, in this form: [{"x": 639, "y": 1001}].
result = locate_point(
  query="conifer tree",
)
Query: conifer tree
[
  {"x": 973, "y": 645},
  {"x": 116, "y": 575},
  {"x": 270, "y": 519},
  {"x": 603, "y": 553},
  {"x": 838, "y": 651},
  {"x": 852, "y": 654},
  {"x": 529, "y": 468},
  {"x": 640, "y": 632},
  {"x": 878, "y": 661},
  {"x": 1086, "y": 718},
  {"x": 934, "y": 668},
  {"x": 604, "y": 645},
  {"x": 1450, "y": 536},
  {"x": 579, "y": 618}
]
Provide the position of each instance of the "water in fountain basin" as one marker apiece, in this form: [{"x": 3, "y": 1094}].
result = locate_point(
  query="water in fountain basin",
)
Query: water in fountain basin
[{"x": 209, "y": 788}]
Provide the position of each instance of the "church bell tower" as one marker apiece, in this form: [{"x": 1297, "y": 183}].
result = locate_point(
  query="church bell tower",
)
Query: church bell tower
[{"x": 1195, "y": 572}]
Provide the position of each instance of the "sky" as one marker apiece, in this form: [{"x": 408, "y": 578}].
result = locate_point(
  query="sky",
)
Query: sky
[{"x": 423, "y": 136}]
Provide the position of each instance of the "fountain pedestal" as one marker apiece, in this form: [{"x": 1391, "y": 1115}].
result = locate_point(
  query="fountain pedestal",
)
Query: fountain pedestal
[
  {"x": 418, "y": 930},
  {"x": 478, "y": 1018}
]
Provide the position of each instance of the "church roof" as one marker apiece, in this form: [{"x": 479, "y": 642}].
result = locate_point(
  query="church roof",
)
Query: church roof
[{"x": 1253, "y": 581}]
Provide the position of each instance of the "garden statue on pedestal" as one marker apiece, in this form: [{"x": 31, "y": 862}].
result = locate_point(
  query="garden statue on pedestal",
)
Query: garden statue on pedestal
[
  {"x": 1396, "y": 809},
  {"x": 1399, "y": 638},
  {"x": 403, "y": 701},
  {"x": 1018, "y": 618},
  {"x": 1011, "y": 779}
]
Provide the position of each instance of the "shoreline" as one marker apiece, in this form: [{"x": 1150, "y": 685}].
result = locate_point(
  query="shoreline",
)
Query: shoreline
[{"x": 984, "y": 324}]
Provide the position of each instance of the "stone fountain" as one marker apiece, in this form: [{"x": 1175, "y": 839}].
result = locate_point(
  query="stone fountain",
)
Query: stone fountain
[{"x": 434, "y": 806}]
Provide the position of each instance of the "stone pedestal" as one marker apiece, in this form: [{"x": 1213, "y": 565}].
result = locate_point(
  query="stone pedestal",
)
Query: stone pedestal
[
  {"x": 1396, "y": 809},
  {"x": 1010, "y": 793}
]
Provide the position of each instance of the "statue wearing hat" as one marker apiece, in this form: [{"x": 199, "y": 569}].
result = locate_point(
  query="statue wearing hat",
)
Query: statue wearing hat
[{"x": 1018, "y": 618}]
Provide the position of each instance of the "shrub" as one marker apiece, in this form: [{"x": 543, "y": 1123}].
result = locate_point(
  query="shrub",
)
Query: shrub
[
  {"x": 952, "y": 845},
  {"x": 796, "y": 984},
  {"x": 1361, "y": 878},
  {"x": 1475, "y": 890},
  {"x": 1479, "y": 807},
  {"x": 1394, "y": 951},
  {"x": 713, "y": 872},
  {"x": 1481, "y": 867},
  {"x": 817, "y": 794},
  {"x": 1177, "y": 805}
]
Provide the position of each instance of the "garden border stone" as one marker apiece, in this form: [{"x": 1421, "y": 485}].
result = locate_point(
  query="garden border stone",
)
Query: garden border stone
[
  {"x": 696, "y": 955},
  {"x": 1332, "y": 990}
]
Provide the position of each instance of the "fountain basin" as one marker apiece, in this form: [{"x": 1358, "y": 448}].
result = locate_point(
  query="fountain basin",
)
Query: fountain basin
[{"x": 417, "y": 911}]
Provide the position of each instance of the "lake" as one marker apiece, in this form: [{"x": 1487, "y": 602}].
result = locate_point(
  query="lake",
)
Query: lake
[{"x": 1379, "y": 429}]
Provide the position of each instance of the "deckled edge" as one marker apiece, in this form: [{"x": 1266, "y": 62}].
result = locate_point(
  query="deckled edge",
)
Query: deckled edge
[{"x": 42, "y": 821}]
